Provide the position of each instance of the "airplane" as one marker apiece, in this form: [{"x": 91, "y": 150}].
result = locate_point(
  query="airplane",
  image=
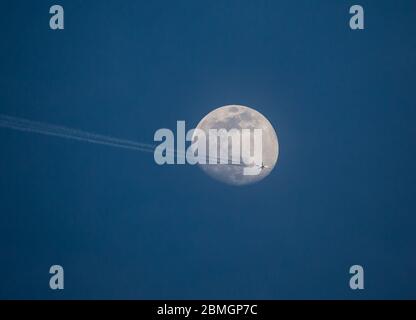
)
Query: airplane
[{"x": 263, "y": 166}]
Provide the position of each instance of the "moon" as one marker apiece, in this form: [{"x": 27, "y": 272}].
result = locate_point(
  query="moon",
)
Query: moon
[{"x": 240, "y": 117}]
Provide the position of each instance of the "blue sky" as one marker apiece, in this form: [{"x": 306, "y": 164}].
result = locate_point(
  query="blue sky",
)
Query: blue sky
[{"x": 342, "y": 103}]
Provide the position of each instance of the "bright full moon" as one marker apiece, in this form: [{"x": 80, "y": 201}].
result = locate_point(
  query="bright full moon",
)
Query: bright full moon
[{"x": 241, "y": 117}]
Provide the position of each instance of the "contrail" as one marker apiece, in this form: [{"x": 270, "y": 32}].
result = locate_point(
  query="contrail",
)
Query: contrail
[
  {"x": 79, "y": 135},
  {"x": 69, "y": 133}
]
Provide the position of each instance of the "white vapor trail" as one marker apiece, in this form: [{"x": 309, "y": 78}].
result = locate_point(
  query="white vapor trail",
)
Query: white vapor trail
[
  {"x": 76, "y": 134},
  {"x": 69, "y": 133}
]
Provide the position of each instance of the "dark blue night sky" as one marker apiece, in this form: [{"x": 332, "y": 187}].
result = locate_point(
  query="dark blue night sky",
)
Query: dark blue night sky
[{"x": 343, "y": 193}]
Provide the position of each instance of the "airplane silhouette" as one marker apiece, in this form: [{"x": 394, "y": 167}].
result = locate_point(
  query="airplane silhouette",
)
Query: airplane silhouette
[{"x": 263, "y": 166}]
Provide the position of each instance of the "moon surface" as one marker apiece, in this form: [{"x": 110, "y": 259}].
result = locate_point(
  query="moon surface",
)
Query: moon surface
[{"x": 240, "y": 117}]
